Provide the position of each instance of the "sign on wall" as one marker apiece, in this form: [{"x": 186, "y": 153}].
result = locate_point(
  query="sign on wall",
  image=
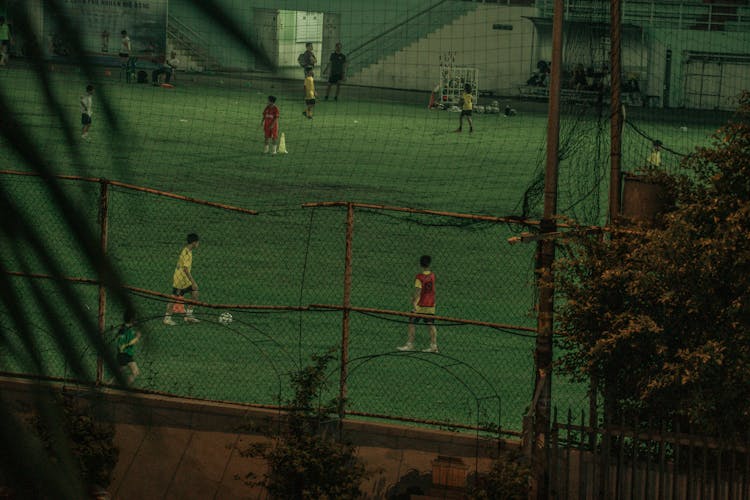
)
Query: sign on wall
[{"x": 100, "y": 23}]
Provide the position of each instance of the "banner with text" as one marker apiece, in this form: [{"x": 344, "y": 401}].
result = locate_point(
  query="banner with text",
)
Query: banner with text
[{"x": 101, "y": 23}]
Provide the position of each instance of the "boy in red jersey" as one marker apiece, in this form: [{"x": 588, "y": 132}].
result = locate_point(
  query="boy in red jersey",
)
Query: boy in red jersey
[
  {"x": 270, "y": 124},
  {"x": 423, "y": 302}
]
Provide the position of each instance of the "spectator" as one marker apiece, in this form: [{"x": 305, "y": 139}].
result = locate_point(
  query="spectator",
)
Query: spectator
[
  {"x": 307, "y": 59},
  {"x": 166, "y": 68},
  {"x": 337, "y": 63},
  {"x": 5, "y": 40}
]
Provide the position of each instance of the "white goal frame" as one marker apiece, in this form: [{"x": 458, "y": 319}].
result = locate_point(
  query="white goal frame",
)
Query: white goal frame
[{"x": 452, "y": 81}]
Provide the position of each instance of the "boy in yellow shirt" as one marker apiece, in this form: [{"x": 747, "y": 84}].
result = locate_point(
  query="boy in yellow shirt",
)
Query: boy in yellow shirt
[
  {"x": 183, "y": 281},
  {"x": 468, "y": 105},
  {"x": 310, "y": 95}
]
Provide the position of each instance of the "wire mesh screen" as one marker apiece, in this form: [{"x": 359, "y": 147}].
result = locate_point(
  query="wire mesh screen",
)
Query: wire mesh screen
[
  {"x": 284, "y": 291},
  {"x": 179, "y": 107}
]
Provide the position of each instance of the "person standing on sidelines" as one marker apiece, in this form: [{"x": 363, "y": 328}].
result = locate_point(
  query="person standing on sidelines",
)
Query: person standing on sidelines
[
  {"x": 127, "y": 338},
  {"x": 125, "y": 47},
  {"x": 337, "y": 64},
  {"x": 183, "y": 281},
  {"x": 423, "y": 302},
  {"x": 654, "y": 157},
  {"x": 307, "y": 59},
  {"x": 467, "y": 105},
  {"x": 270, "y": 124},
  {"x": 310, "y": 94},
  {"x": 86, "y": 102},
  {"x": 5, "y": 40}
]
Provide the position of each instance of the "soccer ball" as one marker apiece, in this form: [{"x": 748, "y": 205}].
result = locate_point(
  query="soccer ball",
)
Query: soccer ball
[{"x": 225, "y": 318}]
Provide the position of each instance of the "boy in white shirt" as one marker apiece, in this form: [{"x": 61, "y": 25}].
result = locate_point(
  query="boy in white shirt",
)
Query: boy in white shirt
[{"x": 86, "y": 103}]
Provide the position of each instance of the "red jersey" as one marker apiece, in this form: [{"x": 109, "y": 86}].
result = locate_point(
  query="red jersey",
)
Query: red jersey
[
  {"x": 270, "y": 114},
  {"x": 427, "y": 292}
]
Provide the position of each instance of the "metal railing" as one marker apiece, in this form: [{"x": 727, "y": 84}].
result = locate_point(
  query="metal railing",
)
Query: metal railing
[
  {"x": 676, "y": 14},
  {"x": 190, "y": 40},
  {"x": 644, "y": 462}
]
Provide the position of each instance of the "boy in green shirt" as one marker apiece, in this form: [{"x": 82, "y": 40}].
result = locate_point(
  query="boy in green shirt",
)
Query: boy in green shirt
[{"x": 127, "y": 337}]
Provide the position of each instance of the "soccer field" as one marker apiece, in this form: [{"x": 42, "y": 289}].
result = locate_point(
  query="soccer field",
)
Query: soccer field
[{"x": 203, "y": 139}]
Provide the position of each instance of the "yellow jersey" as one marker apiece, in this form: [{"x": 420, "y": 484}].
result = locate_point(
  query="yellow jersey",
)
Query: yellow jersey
[
  {"x": 185, "y": 260},
  {"x": 654, "y": 159},
  {"x": 309, "y": 88},
  {"x": 468, "y": 102}
]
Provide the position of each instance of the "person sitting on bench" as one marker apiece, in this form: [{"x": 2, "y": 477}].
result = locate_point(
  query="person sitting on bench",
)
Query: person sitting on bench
[{"x": 167, "y": 68}]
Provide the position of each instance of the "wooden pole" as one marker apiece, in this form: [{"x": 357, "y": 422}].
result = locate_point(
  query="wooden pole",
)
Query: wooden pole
[
  {"x": 103, "y": 231},
  {"x": 347, "y": 310},
  {"x": 615, "y": 67},
  {"x": 545, "y": 257}
]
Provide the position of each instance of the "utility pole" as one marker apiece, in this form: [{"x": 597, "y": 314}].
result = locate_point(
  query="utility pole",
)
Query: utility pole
[
  {"x": 616, "y": 118},
  {"x": 545, "y": 257}
]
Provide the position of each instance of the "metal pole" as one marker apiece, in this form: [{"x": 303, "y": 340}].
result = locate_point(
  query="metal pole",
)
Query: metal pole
[
  {"x": 545, "y": 257},
  {"x": 103, "y": 230},
  {"x": 347, "y": 310},
  {"x": 615, "y": 67}
]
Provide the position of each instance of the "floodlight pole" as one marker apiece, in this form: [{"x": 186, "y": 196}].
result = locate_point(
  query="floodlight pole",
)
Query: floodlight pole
[
  {"x": 545, "y": 257},
  {"x": 616, "y": 118}
]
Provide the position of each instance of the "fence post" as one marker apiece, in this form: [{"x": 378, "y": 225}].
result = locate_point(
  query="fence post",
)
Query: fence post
[
  {"x": 347, "y": 307},
  {"x": 103, "y": 230},
  {"x": 615, "y": 155},
  {"x": 545, "y": 258}
]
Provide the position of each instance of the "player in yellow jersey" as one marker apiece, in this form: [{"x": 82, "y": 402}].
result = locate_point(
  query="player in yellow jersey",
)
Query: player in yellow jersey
[
  {"x": 654, "y": 157},
  {"x": 310, "y": 94},
  {"x": 183, "y": 281},
  {"x": 466, "y": 108}
]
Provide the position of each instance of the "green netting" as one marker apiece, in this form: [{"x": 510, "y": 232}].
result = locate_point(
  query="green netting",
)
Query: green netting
[{"x": 684, "y": 62}]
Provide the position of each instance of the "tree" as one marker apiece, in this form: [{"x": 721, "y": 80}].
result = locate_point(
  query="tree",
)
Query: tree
[
  {"x": 660, "y": 316},
  {"x": 304, "y": 462}
]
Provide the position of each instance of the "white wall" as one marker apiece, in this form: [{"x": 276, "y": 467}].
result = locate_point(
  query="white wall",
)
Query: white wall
[{"x": 503, "y": 57}]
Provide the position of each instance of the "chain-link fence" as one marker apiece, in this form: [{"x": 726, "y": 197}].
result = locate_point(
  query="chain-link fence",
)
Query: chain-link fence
[{"x": 324, "y": 277}]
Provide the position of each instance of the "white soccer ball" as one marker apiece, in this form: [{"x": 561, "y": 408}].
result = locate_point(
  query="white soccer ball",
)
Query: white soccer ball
[{"x": 225, "y": 318}]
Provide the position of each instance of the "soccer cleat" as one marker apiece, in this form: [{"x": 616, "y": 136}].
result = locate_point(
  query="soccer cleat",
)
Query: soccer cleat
[
  {"x": 265, "y": 149},
  {"x": 169, "y": 321},
  {"x": 458, "y": 130},
  {"x": 432, "y": 348},
  {"x": 191, "y": 319},
  {"x": 408, "y": 347}
]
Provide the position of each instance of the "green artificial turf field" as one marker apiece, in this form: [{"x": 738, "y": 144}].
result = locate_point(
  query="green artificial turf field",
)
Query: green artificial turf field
[{"x": 203, "y": 139}]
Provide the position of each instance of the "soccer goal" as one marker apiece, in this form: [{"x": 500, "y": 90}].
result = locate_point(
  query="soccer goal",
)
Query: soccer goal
[{"x": 452, "y": 81}]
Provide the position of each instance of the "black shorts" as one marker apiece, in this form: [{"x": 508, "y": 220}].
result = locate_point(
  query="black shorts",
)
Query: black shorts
[
  {"x": 335, "y": 78},
  {"x": 465, "y": 112},
  {"x": 123, "y": 358},
  {"x": 310, "y": 102},
  {"x": 181, "y": 291},
  {"x": 85, "y": 119},
  {"x": 124, "y": 55}
]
